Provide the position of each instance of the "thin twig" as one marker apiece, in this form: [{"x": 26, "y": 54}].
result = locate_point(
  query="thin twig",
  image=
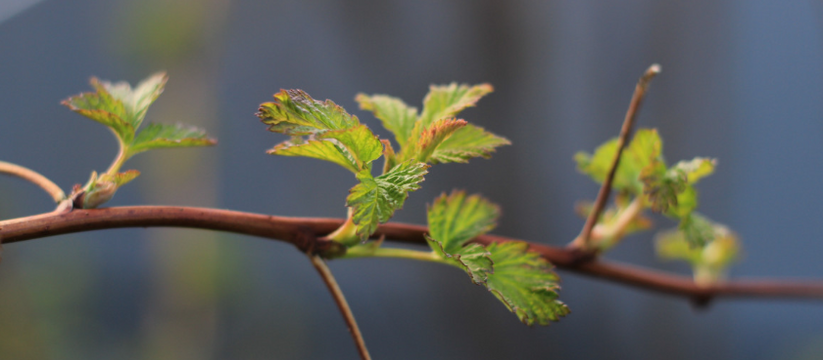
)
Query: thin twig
[
  {"x": 291, "y": 230},
  {"x": 342, "y": 305},
  {"x": 582, "y": 241},
  {"x": 33, "y": 177}
]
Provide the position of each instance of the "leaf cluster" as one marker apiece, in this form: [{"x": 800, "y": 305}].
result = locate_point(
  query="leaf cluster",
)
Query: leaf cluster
[
  {"x": 122, "y": 109},
  {"x": 642, "y": 174},
  {"x": 324, "y": 130}
]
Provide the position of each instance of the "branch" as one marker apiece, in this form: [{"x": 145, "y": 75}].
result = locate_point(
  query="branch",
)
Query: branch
[
  {"x": 342, "y": 305},
  {"x": 33, "y": 177},
  {"x": 302, "y": 232},
  {"x": 582, "y": 241}
]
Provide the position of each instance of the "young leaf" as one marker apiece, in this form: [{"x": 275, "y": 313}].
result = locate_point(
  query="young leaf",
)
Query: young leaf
[
  {"x": 318, "y": 149},
  {"x": 359, "y": 141},
  {"x": 473, "y": 259},
  {"x": 135, "y": 101},
  {"x": 105, "y": 109},
  {"x": 454, "y": 220},
  {"x": 697, "y": 168},
  {"x": 123, "y": 108},
  {"x": 447, "y": 101},
  {"x": 709, "y": 260},
  {"x": 522, "y": 280},
  {"x": 155, "y": 136},
  {"x": 465, "y": 143},
  {"x": 396, "y": 116},
  {"x": 389, "y": 157},
  {"x": 122, "y": 178},
  {"x": 697, "y": 229},
  {"x": 353, "y": 148},
  {"x": 525, "y": 283},
  {"x": 662, "y": 187},
  {"x": 457, "y": 218},
  {"x": 644, "y": 148},
  {"x": 375, "y": 200},
  {"x": 294, "y": 112},
  {"x": 434, "y": 135}
]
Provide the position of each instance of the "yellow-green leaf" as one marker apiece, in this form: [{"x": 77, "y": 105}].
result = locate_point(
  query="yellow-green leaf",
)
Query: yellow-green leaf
[
  {"x": 155, "y": 136},
  {"x": 446, "y": 101},
  {"x": 359, "y": 141},
  {"x": 472, "y": 258},
  {"x": 433, "y": 136},
  {"x": 396, "y": 116},
  {"x": 465, "y": 143},
  {"x": 318, "y": 149},
  {"x": 124, "y": 178},
  {"x": 525, "y": 283},
  {"x": 375, "y": 200},
  {"x": 644, "y": 148},
  {"x": 136, "y": 101},
  {"x": 709, "y": 260},
  {"x": 696, "y": 168},
  {"x": 105, "y": 109},
  {"x": 353, "y": 148},
  {"x": 456, "y": 218},
  {"x": 294, "y": 112}
]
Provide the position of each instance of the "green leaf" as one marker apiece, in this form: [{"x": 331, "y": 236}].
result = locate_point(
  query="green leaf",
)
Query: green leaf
[
  {"x": 122, "y": 178},
  {"x": 135, "y": 101},
  {"x": 697, "y": 229},
  {"x": 446, "y": 101},
  {"x": 318, "y": 149},
  {"x": 686, "y": 203},
  {"x": 522, "y": 280},
  {"x": 354, "y": 148},
  {"x": 359, "y": 141},
  {"x": 123, "y": 109},
  {"x": 696, "y": 168},
  {"x": 457, "y": 218},
  {"x": 433, "y": 136},
  {"x": 375, "y": 200},
  {"x": 709, "y": 260},
  {"x": 295, "y": 113},
  {"x": 662, "y": 186},
  {"x": 155, "y": 136},
  {"x": 473, "y": 259},
  {"x": 105, "y": 109},
  {"x": 465, "y": 143},
  {"x": 644, "y": 148},
  {"x": 396, "y": 116},
  {"x": 525, "y": 283}
]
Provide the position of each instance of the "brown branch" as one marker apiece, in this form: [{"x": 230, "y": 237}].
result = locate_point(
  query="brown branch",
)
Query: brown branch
[
  {"x": 342, "y": 305},
  {"x": 33, "y": 177},
  {"x": 294, "y": 230},
  {"x": 582, "y": 241}
]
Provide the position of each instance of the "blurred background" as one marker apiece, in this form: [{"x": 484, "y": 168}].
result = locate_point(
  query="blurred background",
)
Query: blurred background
[{"x": 742, "y": 81}]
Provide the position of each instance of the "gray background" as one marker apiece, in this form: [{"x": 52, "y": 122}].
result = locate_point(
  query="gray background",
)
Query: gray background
[{"x": 742, "y": 81}]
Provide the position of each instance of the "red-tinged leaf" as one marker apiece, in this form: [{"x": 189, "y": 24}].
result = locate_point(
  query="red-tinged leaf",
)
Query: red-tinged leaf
[{"x": 433, "y": 136}]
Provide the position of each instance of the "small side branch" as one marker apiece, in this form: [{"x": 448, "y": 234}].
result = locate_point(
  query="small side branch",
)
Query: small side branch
[
  {"x": 35, "y": 178},
  {"x": 342, "y": 305},
  {"x": 582, "y": 241}
]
